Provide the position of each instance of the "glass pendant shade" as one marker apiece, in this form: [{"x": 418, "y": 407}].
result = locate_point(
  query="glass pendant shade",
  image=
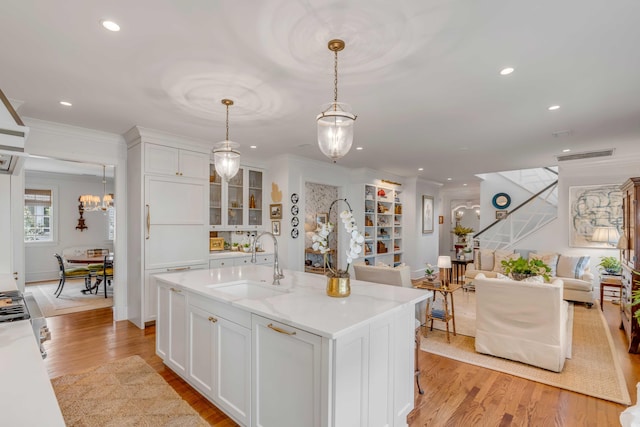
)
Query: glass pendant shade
[
  {"x": 226, "y": 159},
  {"x": 335, "y": 130}
]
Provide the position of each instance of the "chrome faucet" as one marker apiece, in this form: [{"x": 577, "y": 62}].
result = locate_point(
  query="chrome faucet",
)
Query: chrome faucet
[{"x": 277, "y": 273}]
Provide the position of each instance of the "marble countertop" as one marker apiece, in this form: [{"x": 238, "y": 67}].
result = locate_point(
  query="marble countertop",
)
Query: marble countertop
[
  {"x": 234, "y": 254},
  {"x": 302, "y": 301},
  {"x": 29, "y": 399}
]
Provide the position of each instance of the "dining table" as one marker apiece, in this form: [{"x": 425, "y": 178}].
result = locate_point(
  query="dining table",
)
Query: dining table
[{"x": 84, "y": 259}]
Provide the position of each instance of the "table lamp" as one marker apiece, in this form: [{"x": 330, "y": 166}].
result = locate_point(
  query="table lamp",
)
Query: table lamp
[
  {"x": 444, "y": 264},
  {"x": 608, "y": 235}
]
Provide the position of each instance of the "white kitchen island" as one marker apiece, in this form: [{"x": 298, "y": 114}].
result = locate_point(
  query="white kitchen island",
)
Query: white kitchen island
[{"x": 290, "y": 355}]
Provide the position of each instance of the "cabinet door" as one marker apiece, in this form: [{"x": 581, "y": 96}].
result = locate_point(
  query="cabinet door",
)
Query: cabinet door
[
  {"x": 151, "y": 289},
  {"x": 235, "y": 200},
  {"x": 171, "y": 336},
  {"x": 232, "y": 372},
  {"x": 216, "y": 208},
  {"x": 286, "y": 375},
  {"x": 176, "y": 245},
  {"x": 201, "y": 350},
  {"x": 160, "y": 159},
  {"x": 171, "y": 201},
  {"x": 255, "y": 197},
  {"x": 193, "y": 164}
]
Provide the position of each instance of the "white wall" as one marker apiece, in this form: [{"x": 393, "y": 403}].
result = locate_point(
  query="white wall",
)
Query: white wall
[{"x": 39, "y": 261}]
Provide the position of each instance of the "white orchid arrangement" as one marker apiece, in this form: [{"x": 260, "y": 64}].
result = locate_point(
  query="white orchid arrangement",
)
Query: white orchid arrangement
[
  {"x": 429, "y": 270},
  {"x": 321, "y": 243}
]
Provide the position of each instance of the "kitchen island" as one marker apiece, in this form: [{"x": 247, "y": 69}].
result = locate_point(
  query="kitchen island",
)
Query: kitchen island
[{"x": 289, "y": 355}]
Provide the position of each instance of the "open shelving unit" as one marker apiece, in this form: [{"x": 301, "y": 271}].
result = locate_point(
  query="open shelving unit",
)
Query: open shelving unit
[{"x": 382, "y": 225}]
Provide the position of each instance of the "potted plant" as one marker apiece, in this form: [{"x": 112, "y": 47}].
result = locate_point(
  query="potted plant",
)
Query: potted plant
[
  {"x": 246, "y": 247},
  {"x": 430, "y": 272},
  {"x": 610, "y": 265},
  {"x": 467, "y": 253},
  {"x": 234, "y": 246},
  {"x": 461, "y": 232},
  {"x": 521, "y": 268}
]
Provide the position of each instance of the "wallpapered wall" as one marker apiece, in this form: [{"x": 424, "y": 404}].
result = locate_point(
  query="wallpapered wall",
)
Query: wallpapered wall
[{"x": 318, "y": 198}]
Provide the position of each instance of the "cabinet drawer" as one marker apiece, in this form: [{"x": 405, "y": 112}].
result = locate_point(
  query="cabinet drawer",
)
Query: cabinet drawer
[
  {"x": 235, "y": 315},
  {"x": 220, "y": 263}
]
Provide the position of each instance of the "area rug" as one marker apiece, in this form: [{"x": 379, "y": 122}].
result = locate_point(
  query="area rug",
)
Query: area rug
[
  {"x": 70, "y": 301},
  {"x": 464, "y": 304},
  {"x": 593, "y": 369},
  {"x": 126, "y": 392}
]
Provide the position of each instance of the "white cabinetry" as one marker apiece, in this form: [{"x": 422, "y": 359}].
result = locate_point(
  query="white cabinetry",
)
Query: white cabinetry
[
  {"x": 383, "y": 225},
  {"x": 227, "y": 261},
  {"x": 286, "y": 375},
  {"x": 167, "y": 213},
  {"x": 171, "y": 340},
  {"x": 164, "y": 160},
  {"x": 237, "y": 204},
  {"x": 220, "y": 356}
]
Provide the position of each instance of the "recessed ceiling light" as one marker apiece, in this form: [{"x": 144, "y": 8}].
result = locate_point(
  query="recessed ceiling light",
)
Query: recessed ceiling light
[
  {"x": 464, "y": 185},
  {"x": 110, "y": 25},
  {"x": 449, "y": 179},
  {"x": 506, "y": 71},
  {"x": 65, "y": 103},
  {"x": 566, "y": 150},
  {"x": 359, "y": 148},
  {"x": 253, "y": 146},
  {"x": 554, "y": 107},
  {"x": 420, "y": 169}
]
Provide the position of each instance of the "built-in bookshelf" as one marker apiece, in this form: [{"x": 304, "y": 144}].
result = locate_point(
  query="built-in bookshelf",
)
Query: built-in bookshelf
[{"x": 382, "y": 225}]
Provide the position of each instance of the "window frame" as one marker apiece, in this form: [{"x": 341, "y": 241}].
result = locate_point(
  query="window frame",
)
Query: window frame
[{"x": 53, "y": 222}]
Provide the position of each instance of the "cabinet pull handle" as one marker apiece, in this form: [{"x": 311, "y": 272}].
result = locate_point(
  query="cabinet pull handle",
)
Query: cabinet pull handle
[
  {"x": 212, "y": 319},
  {"x": 179, "y": 269},
  {"x": 177, "y": 173},
  {"x": 176, "y": 290},
  {"x": 282, "y": 331},
  {"x": 148, "y": 222}
]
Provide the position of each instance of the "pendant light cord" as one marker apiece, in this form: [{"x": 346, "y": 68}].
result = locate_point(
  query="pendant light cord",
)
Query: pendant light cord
[
  {"x": 227, "y": 123},
  {"x": 335, "y": 81}
]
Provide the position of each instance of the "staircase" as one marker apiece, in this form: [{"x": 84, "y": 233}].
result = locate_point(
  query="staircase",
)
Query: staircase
[{"x": 528, "y": 217}]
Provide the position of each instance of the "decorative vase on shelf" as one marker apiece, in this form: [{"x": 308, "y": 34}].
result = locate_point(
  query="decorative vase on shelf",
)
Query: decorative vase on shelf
[
  {"x": 338, "y": 284},
  {"x": 430, "y": 277}
]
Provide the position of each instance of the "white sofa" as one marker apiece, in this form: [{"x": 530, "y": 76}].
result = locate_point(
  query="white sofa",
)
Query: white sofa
[
  {"x": 577, "y": 282},
  {"x": 525, "y": 322}
]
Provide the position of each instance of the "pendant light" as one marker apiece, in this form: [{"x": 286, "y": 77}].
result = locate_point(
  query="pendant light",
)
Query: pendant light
[
  {"x": 91, "y": 203},
  {"x": 226, "y": 157},
  {"x": 335, "y": 124}
]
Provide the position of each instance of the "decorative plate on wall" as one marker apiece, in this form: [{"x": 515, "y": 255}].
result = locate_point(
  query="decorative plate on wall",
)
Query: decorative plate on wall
[
  {"x": 295, "y": 221},
  {"x": 294, "y": 233},
  {"x": 501, "y": 201},
  {"x": 294, "y": 210},
  {"x": 294, "y": 198}
]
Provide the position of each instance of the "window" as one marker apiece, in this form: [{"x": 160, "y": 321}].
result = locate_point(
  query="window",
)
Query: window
[{"x": 38, "y": 215}]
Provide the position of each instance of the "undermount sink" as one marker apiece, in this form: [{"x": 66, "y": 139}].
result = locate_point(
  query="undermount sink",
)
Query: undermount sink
[{"x": 247, "y": 289}]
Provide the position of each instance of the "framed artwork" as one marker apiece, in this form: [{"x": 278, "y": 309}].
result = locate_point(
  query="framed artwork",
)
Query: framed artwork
[
  {"x": 275, "y": 211},
  {"x": 440, "y": 219},
  {"x": 275, "y": 228},
  {"x": 502, "y": 214},
  {"x": 590, "y": 207},
  {"x": 427, "y": 214},
  {"x": 322, "y": 218}
]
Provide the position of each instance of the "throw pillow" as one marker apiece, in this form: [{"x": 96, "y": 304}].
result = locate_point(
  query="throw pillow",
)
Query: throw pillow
[
  {"x": 500, "y": 256},
  {"x": 549, "y": 258},
  {"x": 533, "y": 279},
  {"x": 484, "y": 259},
  {"x": 574, "y": 267}
]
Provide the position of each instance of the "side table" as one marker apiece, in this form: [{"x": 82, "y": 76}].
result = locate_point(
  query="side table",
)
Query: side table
[
  {"x": 611, "y": 282},
  {"x": 447, "y": 294},
  {"x": 459, "y": 268}
]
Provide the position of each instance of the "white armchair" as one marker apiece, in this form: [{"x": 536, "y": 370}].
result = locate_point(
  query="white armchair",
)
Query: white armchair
[{"x": 525, "y": 322}]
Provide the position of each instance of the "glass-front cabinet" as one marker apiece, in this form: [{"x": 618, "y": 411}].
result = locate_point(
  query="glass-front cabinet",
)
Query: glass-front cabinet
[{"x": 237, "y": 204}]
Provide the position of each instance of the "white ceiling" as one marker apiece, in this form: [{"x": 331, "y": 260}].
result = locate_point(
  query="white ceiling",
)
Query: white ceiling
[{"x": 422, "y": 76}]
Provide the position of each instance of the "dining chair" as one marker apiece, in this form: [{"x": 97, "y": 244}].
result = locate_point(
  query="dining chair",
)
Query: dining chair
[
  {"x": 105, "y": 276},
  {"x": 75, "y": 272}
]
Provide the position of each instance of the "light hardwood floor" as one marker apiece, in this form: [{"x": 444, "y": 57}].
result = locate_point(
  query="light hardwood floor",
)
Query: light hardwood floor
[{"x": 456, "y": 394}]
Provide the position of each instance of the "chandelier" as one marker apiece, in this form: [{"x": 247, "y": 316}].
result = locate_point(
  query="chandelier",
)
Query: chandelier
[
  {"x": 335, "y": 124},
  {"x": 91, "y": 203},
  {"x": 226, "y": 157}
]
